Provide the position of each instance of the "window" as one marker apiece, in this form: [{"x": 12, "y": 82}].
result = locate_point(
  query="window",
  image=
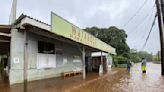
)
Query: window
[
  {"x": 45, "y": 47},
  {"x": 46, "y": 61},
  {"x": 46, "y": 57}
]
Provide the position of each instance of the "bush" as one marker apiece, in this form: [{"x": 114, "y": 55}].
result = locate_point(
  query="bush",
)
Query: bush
[
  {"x": 135, "y": 58},
  {"x": 120, "y": 60}
]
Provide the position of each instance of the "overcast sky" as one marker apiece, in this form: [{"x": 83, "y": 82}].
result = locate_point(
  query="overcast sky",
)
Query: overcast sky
[{"x": 100, "y": 13}]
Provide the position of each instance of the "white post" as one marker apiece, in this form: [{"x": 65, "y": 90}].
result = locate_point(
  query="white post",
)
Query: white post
[
  {"x": 83, "y": 60},
  {"x": 101, "y": 66}
]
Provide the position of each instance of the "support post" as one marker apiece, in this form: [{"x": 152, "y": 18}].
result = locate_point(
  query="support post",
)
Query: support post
[
  {"x": 101, "y": 66},
  {"x": 83, "y": 60},
  {"x": 101, "y": 58},
  {"x": 25, "y": 61}
]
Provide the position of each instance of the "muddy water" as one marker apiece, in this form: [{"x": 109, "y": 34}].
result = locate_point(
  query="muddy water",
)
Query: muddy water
[
  {"x": 118, "y": 80},
  {"x": 4, "y": 83},
  {"x": 123, "y": 81}
]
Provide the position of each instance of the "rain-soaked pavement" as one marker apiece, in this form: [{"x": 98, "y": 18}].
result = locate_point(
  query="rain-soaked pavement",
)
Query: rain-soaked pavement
[{"x": 118, "y": 80}]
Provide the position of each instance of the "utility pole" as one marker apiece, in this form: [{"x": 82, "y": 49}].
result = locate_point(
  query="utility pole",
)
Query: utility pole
[
  {"x": 162, "y": 8},
  {"x": 160, "y": 24},
  {"x": 12, "y": 17}
]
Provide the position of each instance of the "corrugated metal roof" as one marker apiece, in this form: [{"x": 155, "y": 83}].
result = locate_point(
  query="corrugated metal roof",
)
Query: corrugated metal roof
[{"x": 22, "y": 16}]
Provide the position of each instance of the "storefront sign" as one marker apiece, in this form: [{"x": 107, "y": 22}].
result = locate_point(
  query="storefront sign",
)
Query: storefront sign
[{"x": 64, "y": 28}]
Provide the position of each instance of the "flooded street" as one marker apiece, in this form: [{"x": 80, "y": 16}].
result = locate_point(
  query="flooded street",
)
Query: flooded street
[
  {"x": 82, "y": 46},
  {"x": 118, "y": 80},
  {"x": 134, "y": 81}
]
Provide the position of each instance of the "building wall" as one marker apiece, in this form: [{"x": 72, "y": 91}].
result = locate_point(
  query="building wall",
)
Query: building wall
[{"x": 69, "y": 53}]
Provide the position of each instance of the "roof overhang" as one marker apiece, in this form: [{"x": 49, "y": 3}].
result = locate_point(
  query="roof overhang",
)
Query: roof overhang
[
  {"x": 5, "y": 33},
  {"x": 5, "y": 30},
  {"x": 24, "y": 21},
  {"x": 33, "y": 22},
  {"x": 98, "y": 54}
]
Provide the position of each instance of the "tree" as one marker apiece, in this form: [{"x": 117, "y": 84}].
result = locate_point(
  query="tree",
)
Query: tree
[
  {"x": 157, "y": 58},
  {"x": 112, "y": 36},
  {"x": 146, "y": 55},
  {"x": 136, "y": 56}
]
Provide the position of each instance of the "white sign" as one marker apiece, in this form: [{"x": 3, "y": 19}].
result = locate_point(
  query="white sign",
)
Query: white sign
[
  {"x": 77, "y": 60},
  {"x": 64, "y": 60},
  {"x": 16, "y": 60},
  {"x": 46, "y": 61}
]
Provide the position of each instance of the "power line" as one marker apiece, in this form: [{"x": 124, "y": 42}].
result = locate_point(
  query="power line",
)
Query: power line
[
  {"x": 146, "y": 26},
  {"x": 149, "y": 14},
  {"x": 135, "y": 14},
  {"x": 149, "y": 32},
  {"x": 139, "y": 28},
  {"x": 143, "y": 36}
]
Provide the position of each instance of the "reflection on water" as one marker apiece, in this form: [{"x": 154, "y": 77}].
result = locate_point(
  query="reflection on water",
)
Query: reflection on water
[
  {"x": 135, "y": 81},
  {"x": 143, "y": 76},
  {"x": 151, "y": 81},
  {"x": 118, "y": 80},
  {"x": 4, "y": 83}
]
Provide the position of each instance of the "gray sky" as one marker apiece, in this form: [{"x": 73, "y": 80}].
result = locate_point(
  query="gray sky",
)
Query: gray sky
[{"x": 101, "y": 13}]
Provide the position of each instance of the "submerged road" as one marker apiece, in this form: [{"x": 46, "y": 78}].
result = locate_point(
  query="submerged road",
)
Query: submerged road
[
  {"x": 122, "y": 81},
  {"x": 117, "y": 80}
]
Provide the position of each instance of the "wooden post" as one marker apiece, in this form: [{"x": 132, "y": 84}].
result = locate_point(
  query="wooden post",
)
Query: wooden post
[
  {"x": 83, "y": 60},
  {"x": 91, "y": 63},
  {"x": 160, "y": 24},
  {"x": 25, "y": 61},
  {"x": 162, "y": 7}
]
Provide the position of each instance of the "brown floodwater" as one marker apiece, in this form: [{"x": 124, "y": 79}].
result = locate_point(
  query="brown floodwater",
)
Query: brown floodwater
[
  {"x": 134, "y": 81},
  {"x": 117, "y": 80}
]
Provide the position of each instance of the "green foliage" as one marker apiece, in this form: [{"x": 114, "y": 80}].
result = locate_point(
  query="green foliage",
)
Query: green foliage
[
  {"x": 112, "y": 36},
  {"x": 120, "y": 59},
  {"x": 146, "y": 55},
  {"x": 117, "y": 60},
  {"x": 157, "y": 57},
  {"x": 137, "y": 56},
  {"x": 117, "y": 39},
  {"x": 134, "y": 57}
]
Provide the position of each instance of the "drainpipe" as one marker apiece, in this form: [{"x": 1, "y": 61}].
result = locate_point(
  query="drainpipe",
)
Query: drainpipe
[{"x": 25, "y": 61}]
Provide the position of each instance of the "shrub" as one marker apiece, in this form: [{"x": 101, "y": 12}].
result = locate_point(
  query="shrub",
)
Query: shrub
[{"x": 120, "y": 60}]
